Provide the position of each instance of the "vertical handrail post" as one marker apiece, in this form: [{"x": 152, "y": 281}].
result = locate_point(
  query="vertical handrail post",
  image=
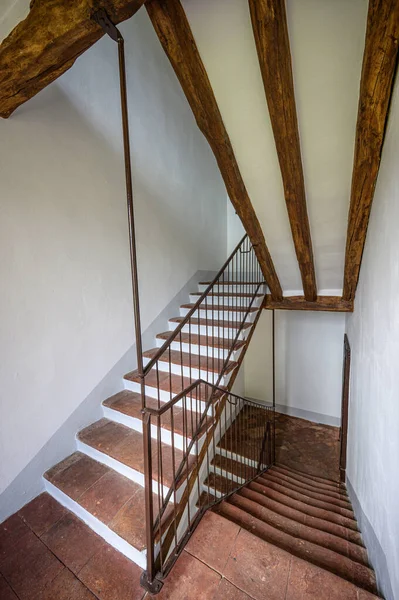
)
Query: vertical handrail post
[
  {"x": 102, "y": 18},
  {"x": 274, "y": 382}
]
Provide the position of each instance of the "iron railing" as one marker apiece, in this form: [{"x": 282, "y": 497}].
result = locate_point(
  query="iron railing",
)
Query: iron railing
[{"x": 230, "y": 444}]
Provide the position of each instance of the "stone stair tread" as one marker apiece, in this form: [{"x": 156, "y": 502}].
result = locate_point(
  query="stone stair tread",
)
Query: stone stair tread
[
  {"x": 325, "y": 497},
  {"x": 205, "y": 499},
  {"x": 222, "y": 308},
  {"x": 304, "y": 497},
  {"x": 203, "y": 340},
  {"x": 303, "y": 507},
  {"x": 328, "y": 559},
  {"x": 126, "y": 446},
  {"x": 235, "y": 467},
  {"x": 226, "y": 294},
  {"x": 232, "y": 282},
  {"x": 212, "y": 323},
  {"x": 196, "y": 361},
  {"x": 337, "y": 489},
  {"x": 172, "y": 383},
  {"x": 300, "y": 530},
  {"x": 315, "y": 478},
  {"x": 185, "y": 422},
  {"x": 220, "y": 483},
  {"x": 112, "y": 498}
]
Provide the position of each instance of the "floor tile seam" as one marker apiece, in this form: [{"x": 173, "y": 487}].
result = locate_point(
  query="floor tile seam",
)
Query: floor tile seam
[{"x": 288, "y": 577}]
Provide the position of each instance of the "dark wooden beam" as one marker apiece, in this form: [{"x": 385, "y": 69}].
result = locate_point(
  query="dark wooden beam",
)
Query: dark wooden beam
[
  {"x": 47, "y": 43},
  {"x": 270, "y": 29},
  {"x": 379, "y": 65},
  {"x": 326, "y": 303},
  {"x": 171, "y": 25}
]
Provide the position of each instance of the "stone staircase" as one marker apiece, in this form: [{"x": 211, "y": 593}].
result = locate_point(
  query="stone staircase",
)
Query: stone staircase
[{"x": 103, "y": 481}]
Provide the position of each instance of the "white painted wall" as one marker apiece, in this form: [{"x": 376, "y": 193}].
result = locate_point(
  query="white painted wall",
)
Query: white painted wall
[
  {"x": 65, "y": 311},
  {"x": 309, "y": 348},
  {"x": 373, "y": 330},
  {"x": 327, "y": 40}
]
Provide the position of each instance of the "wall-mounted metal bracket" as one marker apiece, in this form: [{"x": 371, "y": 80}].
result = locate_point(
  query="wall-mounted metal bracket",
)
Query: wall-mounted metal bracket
[{"x": 101, "y": 17}]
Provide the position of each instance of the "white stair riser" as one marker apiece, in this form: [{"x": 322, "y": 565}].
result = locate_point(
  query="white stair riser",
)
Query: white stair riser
[
  {"x": 241, "y": 301},
  {"x": 164, "y": 396},
  {"x": 212, "y": 331},
  {"x": 221, "y": 315},
  {"x": 247, "y": 288},
  {"x": 202, "y": 350},
  {"x": 194, "y": 374}
]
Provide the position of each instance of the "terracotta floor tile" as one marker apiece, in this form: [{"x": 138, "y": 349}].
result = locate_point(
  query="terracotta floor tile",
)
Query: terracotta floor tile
[
  {"x": 6, "y": 592},
  {"x": 73, "y": 542},
  {"x": 129, "y": 523},
  {"x": 42, "y": 513},
  {"x": 308, "y": 582},
  {"x": 106, "y": 497},
  {"x": 258, "y": 568},
  {"x": 76, "y": 474},
  {"x": 189, "y": 579},
  {"x": 363, "y": 595},
  {"x": 31, "y": 567},
  {"x": 213, "y": 540},
  {"x": 111, "y": 576},
  {"x": 11, "y": 532},
  {"x": 228, "y": 591},
  {"x": 65, "y": 587}
]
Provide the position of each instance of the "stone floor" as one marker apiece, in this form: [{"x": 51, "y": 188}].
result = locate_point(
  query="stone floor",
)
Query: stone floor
[
  {"x": 46, "y": 553},
  {"x": 308, "y": 447}
]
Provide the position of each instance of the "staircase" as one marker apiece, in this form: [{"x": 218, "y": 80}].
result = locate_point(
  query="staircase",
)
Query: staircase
[{"x": 103, "y": 482}]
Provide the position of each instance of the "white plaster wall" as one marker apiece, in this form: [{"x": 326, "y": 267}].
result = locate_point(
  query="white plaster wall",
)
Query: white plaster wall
[
  {"x": 373, "y": 331},
  {"x": 309, "y": 348},
  {"x": 66, "y": 306}
]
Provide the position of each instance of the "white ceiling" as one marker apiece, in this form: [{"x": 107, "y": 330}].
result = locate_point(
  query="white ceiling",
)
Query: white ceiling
[{"x": 327, "y": 41}]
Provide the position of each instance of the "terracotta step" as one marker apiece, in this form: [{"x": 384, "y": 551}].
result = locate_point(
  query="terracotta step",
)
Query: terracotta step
[
  {"x": 126, "y": 446},
  {"x": 300, "y": 505},
  {"x": 276, "y": 478},
  {"x": 185, "y": 422},
  {"x": 325, "y": 558},
  {"x": 203, "y": 340},
  {"x": 196, "y": 361},
  {"x": 113, "y": 499},
  {"x": 304, "y": 498},
  {"x": 206, "y": 499},
  {"x": 231, "y": 283},
  {"x": 173, "y": 384},
  {"x": 221, "y": 484},
  {"x": 212, "y": 323},
  {"x": 338, "y": 489},
  {"x": 300, "y": 530},
  {"x": 222, "y": 308},
  {"x": 233, "y": 466},
  {"x": 314, "y": 478},
  {"x": 227, "y": 294}
]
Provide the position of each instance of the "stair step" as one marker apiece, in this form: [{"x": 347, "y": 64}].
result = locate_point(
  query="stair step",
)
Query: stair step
[
  {"x": 235, "y": 467},
  {"x": 303, "y": 507},
  {"x": 325, "y": 558},
  {"x": 267, "y": 481},
  {"x": 171, "y": 383},
  {"x": 325, "y": 497},
  {"x": 311, "y": 487},
  {"x": 300, "y": 530},
  {"x": 338, "y": 489},
  {"x": 314, "y": 478},
  {"x": 185, "y": 423},
  {"x": 203, "y": 340},
  {"x": 232, "y": 282},
  {"x": 195, "y": 361},
  {"x": 206, "y": 499},
  {"x": 109, "y": 497},
  {"x": 228, "y": 294},
  {"x": 125, "y": 446},
  {"x": 304, "y": 498},
  {"x": 222, "y": 308},
  {"x": 220, "y": 484},
  {"x": 216, "y": 324}
]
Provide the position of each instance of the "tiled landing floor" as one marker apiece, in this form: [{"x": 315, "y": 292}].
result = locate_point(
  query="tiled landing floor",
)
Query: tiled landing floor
[{"x": 48, "y": 554}]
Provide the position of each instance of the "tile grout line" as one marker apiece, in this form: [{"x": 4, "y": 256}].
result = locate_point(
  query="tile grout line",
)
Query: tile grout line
[{"x": 288, "y": 578}]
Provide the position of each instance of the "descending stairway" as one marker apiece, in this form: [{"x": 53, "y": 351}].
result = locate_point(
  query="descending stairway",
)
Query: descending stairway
[
  {"x": 103, "y": 481},
  {"x": 307, "y": 516}
]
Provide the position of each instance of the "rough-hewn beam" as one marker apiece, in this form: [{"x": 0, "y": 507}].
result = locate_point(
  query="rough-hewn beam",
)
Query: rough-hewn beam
[
  {"x": 173, "y": 30},
  {"x": 270, "y": 29},
  {"x": 379, "y": 64},
  {"x": 47, "y": 43},
  {"x": 326, "y": 303}
]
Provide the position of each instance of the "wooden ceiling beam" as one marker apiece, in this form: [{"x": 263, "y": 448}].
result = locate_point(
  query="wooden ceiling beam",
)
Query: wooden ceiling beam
[
  {"x": 322, "y": 303},
  {"x": 46, "y": 44},
  {"x": 378, "y": 70},
  {"x": 269, "y": 24},
  {"x": 172, "y": 27}
]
